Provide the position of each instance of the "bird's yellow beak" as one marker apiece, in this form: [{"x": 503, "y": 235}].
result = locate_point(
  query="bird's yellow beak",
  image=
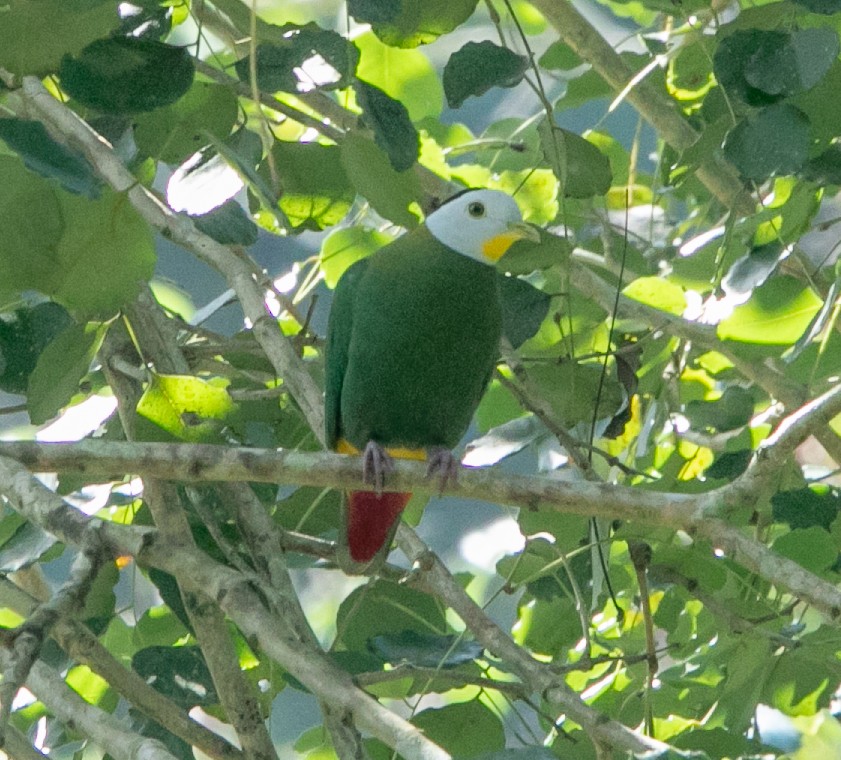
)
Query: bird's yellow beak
[{"x": 496, "y": 247}]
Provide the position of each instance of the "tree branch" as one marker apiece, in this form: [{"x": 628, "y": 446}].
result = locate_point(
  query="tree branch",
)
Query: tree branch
[
  {"x": 67, "y": 127},
  {"x": 717, "y": 175},
  {"x": 238, "y": 596}
]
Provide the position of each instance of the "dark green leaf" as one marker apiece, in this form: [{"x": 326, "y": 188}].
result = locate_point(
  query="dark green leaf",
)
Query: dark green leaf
[
  {"x": 35, "y": 35},
  {"x": 228, "y": 224},
  {"x": 425, "y": 650},
  {"x": 60, "y": 368},
  {"x": 372, "y": 175},
  {"x": 524, "y": 308},
  {"x": 282, "y": 64},
  {"x": 735, "y": 54},
  {"x": 171, "y": 595},
  {"x": 316, "y": 190},
  {"x": 805, "y": 507},
  {"x": 393, "y": 129},
  {"x": 23, "y": 336},
  {"x": 825, "y": 169},
  {"x": 384, "y": 607},
  {"x": 751, "y": 270},
  {"x": 825, "y": 7},
  {"x": 773, "y": 141},
  {"x": 408, "y": 23},
  {"x": 465, "y": 729},
  {"x": 479, "y": 66},
  {"x": 48, "y": 158},
  {"x": 173, "y": 133},
  {"x": 581, "y": 168},
  {"x": 729, "y": 465},
  {"x": 127, "y": 75},
  {"x": 730, "y": 412},
  {"x": 787, "y": 63},
  {"x": 179, "y": 673},
  {"x": 308, "y": 509},
  {"x": 28, "y": 544}
]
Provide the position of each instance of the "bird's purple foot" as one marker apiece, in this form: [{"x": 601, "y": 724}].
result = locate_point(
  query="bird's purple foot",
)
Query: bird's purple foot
[
  {"x": 442, "y": 464},
  {"x": 376, "y": 464}
]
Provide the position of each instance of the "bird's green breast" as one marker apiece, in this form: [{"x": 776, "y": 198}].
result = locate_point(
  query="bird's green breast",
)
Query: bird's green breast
[{"x": 425, "y": 329}]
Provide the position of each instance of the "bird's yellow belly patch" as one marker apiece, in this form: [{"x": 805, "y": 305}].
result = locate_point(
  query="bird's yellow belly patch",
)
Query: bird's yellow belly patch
[{"x": 344, "y": 446}]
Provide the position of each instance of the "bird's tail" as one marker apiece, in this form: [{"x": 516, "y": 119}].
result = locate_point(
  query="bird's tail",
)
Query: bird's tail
[{"x": 371, "y": 520}]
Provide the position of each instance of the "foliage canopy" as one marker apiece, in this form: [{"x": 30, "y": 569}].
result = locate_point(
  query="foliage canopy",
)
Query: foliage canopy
[{"x": 671, "y": 370}]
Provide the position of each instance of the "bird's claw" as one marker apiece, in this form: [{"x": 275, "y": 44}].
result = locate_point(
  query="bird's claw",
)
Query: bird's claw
[
  {"x": 444, "y": 465},
  {"x": 376, "y": 464}
]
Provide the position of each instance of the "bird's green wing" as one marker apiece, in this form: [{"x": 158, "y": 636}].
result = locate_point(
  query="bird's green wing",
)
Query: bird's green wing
[{"x": 339, "y": 331}]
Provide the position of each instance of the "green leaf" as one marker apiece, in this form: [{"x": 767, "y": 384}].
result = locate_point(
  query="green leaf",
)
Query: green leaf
[
  {"x": 60, "y": 368},
  {"x": 127, "y": 75},
  {"x": 825, "y": 7},
  {"x": 371, "y": 173},
  {"x": 777, "y": 314},
  {"x": 477, "y": 67},
  {"x": 28, "y": 544},
  {"x": 502, "y": 441},
  {"x": 730, "y": 412},
  {"x": 393, "y": 129},
  {"x": 524, "y": 257},
  {"x": 813, "y": 548},
  {"x": 825, "y": 169},
  {"x": 729, "y": 465},
  {"x": 521, "y": 753},
  {"x": 317, "y": 192},
  {"x": 560, "y": 56},
  {"x": 405, "y": 75},
  {"x": 165, "y": 624},
  {"x": 788, "y": 63},
  {"x": 228, "y": 224},
  {"x": 804, "y": 507},
  {"x": 659, "y": 293},
  {"x": 179, "y": 673},
  {"x": 35, "y": 34},
  {"x": 465, "y": 729},
  {"x": 384, "y": 607},
  {"x": 425, "y": 650},
  {"x": 185, "y": 406},
  {"x": 173, "y": 133},
  {"x": 344, "y": 247},
  {"x": 41, "y": 154},
  {"x": 734, "y": 55},
  {"x": 309, "y": 509},
  {"x": 55, "y": 249},
  {"x": 581, "y": 168},
  {"x": 409, "y": 24},
  {"x": 773, "y": 141},
  {"x": 23, "y": 336},
  {"x": 283, "y": 63},
  {"x": 524, "y": 307},
  {"x": 571, "y": 390}
]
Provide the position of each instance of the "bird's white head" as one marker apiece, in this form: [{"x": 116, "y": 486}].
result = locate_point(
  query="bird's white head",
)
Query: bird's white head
[{"x": 481, "y": 224}]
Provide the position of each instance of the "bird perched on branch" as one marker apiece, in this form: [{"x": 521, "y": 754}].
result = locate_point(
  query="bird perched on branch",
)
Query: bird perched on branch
[{"x": 412, "y": 341}]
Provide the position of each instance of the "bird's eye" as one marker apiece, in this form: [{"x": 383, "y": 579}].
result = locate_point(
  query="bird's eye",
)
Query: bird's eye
[{"x": 476, "y": 210}]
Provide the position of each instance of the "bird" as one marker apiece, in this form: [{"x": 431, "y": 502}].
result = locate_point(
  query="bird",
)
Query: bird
[{"x": 412, "y": 340}]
